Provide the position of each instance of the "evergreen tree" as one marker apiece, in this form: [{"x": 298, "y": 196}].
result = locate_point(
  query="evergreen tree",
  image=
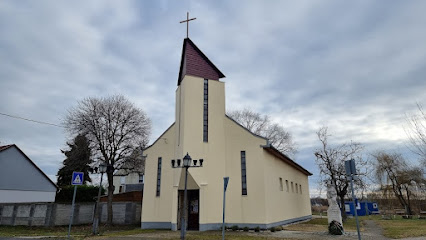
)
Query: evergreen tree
[{"x": 78, "y": 159}]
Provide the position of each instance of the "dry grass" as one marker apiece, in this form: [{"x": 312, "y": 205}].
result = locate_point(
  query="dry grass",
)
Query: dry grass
[
  {"x": 402, "y": 228},
  {"x": 80, "y": 231},
  {"x": 321, "y": 225}
]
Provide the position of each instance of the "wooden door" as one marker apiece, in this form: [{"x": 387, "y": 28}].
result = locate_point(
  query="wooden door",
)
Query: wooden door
[{"x": 194, "y": 209}]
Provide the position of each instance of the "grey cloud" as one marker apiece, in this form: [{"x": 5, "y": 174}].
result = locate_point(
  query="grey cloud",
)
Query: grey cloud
[{"x": 355, "y": 66}]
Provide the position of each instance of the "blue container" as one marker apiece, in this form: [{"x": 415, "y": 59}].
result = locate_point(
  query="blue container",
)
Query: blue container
[{"x": 363, "y": 208}]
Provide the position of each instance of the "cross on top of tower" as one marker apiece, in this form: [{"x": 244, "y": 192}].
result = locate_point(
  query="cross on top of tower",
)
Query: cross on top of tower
[{"x": 187, "y": 23}]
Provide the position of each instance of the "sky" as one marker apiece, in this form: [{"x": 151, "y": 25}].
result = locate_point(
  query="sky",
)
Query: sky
[{"x": 357, "y": 67}]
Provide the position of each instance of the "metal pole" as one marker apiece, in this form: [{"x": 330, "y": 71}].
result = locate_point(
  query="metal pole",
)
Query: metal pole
[
  {"x": 183, "y": 225},
  {"x": 356, "y": 214},
  {"x": 96, "y": 217},
  {"x": 223, "y": 219},
  {"x": 72, "y": 210}
]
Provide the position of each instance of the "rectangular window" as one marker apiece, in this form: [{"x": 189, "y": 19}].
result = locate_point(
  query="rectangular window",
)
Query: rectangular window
[
  {"x": 281, "y": 184},
  {"x": 300, "y": 188},
  {"x": 297, "y": 189},
  {"x": 243, "y": 173},
  {"x": 286, "y": 185},
  {"x": 141, "y": 178},
  {"x": 123, "y": 180},
  {"x": 206, "y": 111},
  {"x": 158, "y": 177},
  {"x": 292, "y": 187}
]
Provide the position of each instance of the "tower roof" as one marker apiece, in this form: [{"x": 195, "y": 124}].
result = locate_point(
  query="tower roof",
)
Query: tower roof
[{"x": 195, "y": 63}]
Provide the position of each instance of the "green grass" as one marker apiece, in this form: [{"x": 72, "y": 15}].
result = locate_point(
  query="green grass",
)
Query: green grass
[
  {"x": 321, "y": 224},
  {"x": 79, "y": 231},
  {"x": 402, "y": 228},
  {"x": 210, "y": 235},
  {"x": 395, "y": 228}
]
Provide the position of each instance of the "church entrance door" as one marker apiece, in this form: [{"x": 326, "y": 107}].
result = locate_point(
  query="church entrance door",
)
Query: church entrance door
[{"x": 193, "y": 209}]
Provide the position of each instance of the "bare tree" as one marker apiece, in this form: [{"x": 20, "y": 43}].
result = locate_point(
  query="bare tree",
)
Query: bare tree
[
  {"x": 393, "y": 172},
  {"x": 331, "y": 163},
  {"x": 114, "y": 128},
  {"x": 416, "y": 132},
  {"x": 262, "y": 125}
]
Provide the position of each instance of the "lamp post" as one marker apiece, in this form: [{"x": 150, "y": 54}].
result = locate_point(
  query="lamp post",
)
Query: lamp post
[
  {"x": 351, "y": 174},
  {"x": 102, "y": 170},
  {"x": 187, "y": 163}
]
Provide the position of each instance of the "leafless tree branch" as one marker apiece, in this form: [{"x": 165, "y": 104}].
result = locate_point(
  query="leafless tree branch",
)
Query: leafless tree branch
[
  {"x": 261, "y": 125},
  {"x": 331, "y": 163},
  {"x": 114, "y": 128}
]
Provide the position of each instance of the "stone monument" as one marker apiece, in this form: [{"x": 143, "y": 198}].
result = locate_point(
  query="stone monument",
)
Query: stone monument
[{"x": 333, "y": 211}]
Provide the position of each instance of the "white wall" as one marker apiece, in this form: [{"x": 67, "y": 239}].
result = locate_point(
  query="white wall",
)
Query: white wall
[{"x": 17, "y": 196}]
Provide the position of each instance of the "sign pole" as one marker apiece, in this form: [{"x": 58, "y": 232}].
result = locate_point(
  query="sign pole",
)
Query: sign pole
[
  {"x": 76, "y": 179},
  {"x": 356, "y": 214},
  {"x": 351, "y": 173},
  {"x": 72, "y": 210},
  {"x": 225, "y": 185}
]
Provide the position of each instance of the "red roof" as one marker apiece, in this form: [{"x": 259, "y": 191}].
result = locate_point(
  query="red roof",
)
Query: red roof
[{"x": 195, "y": 63}]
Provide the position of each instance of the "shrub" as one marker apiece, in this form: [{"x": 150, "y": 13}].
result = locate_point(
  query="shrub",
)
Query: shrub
[
  {"x": 278, "y": 228},
  {"x": 234, "y": 228},
  {"x": 257, "y": 229},
  {"x": 335, "y": 228},
  {"x": 245, "y": 229},
  {"x": 272, "y": 229},
  {"x": 85, "y": 193}
]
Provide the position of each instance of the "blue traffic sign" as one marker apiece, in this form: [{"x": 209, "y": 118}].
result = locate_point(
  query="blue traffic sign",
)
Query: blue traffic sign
[{"x": 77, "y": 178}]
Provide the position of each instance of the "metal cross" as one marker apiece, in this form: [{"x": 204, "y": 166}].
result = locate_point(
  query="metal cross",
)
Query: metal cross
[{"x": 187, "y": 22}]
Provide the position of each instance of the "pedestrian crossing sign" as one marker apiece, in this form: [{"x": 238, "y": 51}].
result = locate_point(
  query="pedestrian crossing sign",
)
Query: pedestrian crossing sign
[{"x": 77, "y": 178}]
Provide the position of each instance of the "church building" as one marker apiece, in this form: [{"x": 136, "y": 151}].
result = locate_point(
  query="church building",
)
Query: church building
[{"x": 266, "y": 188}]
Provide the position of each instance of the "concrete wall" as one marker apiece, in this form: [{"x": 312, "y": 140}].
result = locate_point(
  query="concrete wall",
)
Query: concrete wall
[
  {"x": 159, "y": 209},
  {"x": 250, "y": 208},
  {"x": 285, "y": 205},
  {"x": 54, "y": 214}
]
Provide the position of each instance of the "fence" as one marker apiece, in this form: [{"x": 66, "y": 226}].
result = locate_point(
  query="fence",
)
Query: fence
[{"x": 54, "y": 214}]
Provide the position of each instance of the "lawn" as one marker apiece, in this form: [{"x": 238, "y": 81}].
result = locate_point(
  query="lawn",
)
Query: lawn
[
  {"x": 229, "y": 236},
  {"x": 321, "y": 225},
  {"x": 402, "y": 228},
  {"x": 395, "y": 228},
  {"x": 79, "y": 231}
]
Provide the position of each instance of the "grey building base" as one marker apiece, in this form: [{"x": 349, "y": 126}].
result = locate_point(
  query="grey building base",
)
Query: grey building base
[
  {"x": 218, "y": 226},
  {"x": 156, "y": 225}
]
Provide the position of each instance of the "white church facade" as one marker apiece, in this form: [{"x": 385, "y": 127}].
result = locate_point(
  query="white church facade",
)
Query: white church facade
[{"x": 266, "y": 188}]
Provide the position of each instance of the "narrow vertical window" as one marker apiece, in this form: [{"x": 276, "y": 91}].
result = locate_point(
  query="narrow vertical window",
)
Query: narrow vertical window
[
  {"x": 206, "y": 111},
  {"x": 297, "y": 189},
  {"x": 286, "y": 185},
  {"x": 243, "y": 173},
  {"x": 292, "y": 187},
  {"x": 158, "y": 177},
  {"x": 300, "y": 189},
  {"x": 281, "y": 184}
]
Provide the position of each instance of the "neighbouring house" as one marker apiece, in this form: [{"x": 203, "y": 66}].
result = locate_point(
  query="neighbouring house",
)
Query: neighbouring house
[
  {"x": 21, "y": 180},
  {"x": 131, "y": 178},
  {"x": 266, "y": 188}
]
